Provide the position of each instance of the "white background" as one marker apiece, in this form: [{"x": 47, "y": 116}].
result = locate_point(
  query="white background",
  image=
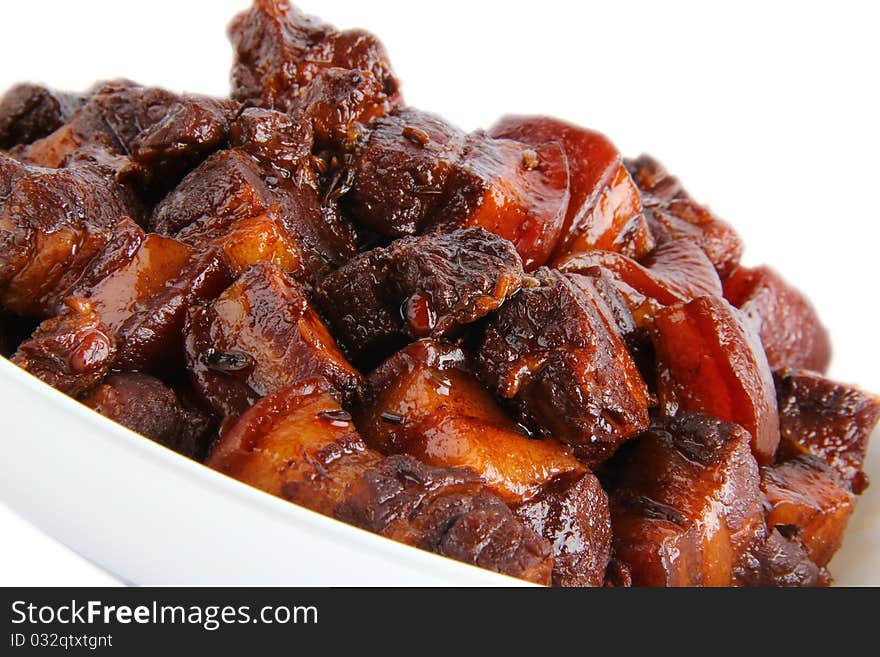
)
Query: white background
[{"x": 768, "y": 112}]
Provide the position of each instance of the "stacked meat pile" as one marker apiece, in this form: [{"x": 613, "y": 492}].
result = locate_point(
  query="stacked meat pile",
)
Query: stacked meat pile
[{"x": 511, "y": 347}]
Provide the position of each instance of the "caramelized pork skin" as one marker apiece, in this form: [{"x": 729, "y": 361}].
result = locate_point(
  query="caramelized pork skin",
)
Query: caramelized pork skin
[
  {"x": 605, "y": 209},
  {"x": 29, "y": 112},
  {"x": 147, "y": 406},
  {"x": 279, "y": 50},
  {"x": 260, "y": 335},
  {"x": 686, "y": 504},
  {"x": 72, "y": 351},
  {"x": 672, "y": 214},
  {"x": 832, "y": 421},
  {"x": 298, "y": 443},
  {"x": 554, "y": 352},
  {"x": 430, "y": 285},
  {"x": 709, "y": 360},
  {"x": 790, "y": 330}
]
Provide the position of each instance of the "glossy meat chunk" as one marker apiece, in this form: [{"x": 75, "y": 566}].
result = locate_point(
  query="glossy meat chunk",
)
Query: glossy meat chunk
[
  {"x": 52, "y": 223},
  {"x": 417, "y": 287},
  {"x": 400, "y": 171},
  {"x": 554, "y": 352},
  {"x": 259, "y": 336},
  {"x": 709, "y": 360},
  {"x": 675, "y": 271},
  {"x": 571, "y": 511},
  {"x": 605, "y": 209},
  {"x": 510, "y": 189},
  {"x": 72, "y": 351},
  {"x": 424, "y": 401},
  {"x": 299, "y": 444},
  {"x": 263, "y": 238},
  {"x": 29, "y": 112},
  {"x": 789, "y": 327},
  {"x": 781, "y": 562},
  {"x": 147, "y": 406},
  {"x": 279, "y": 50},
  {"x": 806, "y": 499},
  {"x": 686, "y": 506},
  {"x": 830, "y": 420},
  {"x": 275, "y": 139},
  {"x": 672, "y": 214}
]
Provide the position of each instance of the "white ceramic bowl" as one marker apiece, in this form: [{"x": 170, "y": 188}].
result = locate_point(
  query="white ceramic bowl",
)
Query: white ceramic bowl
[{"x": 151, "y": 516}]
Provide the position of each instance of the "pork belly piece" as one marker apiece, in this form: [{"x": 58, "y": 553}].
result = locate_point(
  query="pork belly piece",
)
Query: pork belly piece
[
  {"x": 29, "y": 112},
  {"x": 781, "y": 562},
  {"x": 275, "y": 139},
  {"x": 789, "y": 327},
  {"x": 672, "y": 214},
  {"x": 675, "y": 271},
  {"x": 830, "y": 420},
  {"x": 686, "y": 505},
  {"x": 263, "y": 238},
  {"x": 231, "y": 186},
  {"x": 52, "y": 223},
  {"x": 554, "y": 352},
  {"x": 72, "y": 351},
  {"x": 156, "y": 135},
  {"x": 806, "y": 500},
  {"x": 417, "y": 287},
  {"x": 709, "y": 360},
  {"x": 260, "y": 335},
  {"x": 605, "y": 209},
  {"x": 400, "y": 171},
  {"x": 147, "y": 406},
  {"x": 279, "y": 50},
  {"x": 425, "y": 402},
  {"x": 301, "y": 445},
  {"x": 571, "y": 511}
]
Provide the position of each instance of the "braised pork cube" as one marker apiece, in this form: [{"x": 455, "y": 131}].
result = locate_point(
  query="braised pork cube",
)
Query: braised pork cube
[
  {"x": 425, "y": 402},
  {"x": 789, "y": 327},
  {"x": 52, "y": 223},
  {"x": 605, "y": 209},
  {"x": 279, "y": 50},
  {"x": 686, "y": 505},
  {"x": 511, "y": 189},
  {"x": 260, "y": 335},
  {"x": 675, "y": 271},
  {"x": 275, "y": 139},
  {"x": 830, "y": 420},
  {"x": 806, "y": 499},
  {"x": 400, "y": 171},
  {"x": 554, "y": 352},
  {"x": 422, "y": 286},
  {"x": 29, "y": 112},
  {"x": 263, "y": 238},
  {"x": 709, "y": 360},
  {"x": 781, "y": 562},
  {"x": 301, "y": 445},
  {"x": 571, "y": 511},
  {"x": 147, "y": 406},
  {"x": 673, "y": 214},
  {"x": 72, "y": 351}
]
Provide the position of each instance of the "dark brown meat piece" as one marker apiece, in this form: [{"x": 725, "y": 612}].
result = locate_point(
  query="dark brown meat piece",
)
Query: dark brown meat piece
[
  {"x": 572, "y": 513},
  {"x": 260, "y": 335},
  {"x": 29, "y": 112},
  {"x": 781, "y": 562},
  {"x": 672, "y": 214},
  {"x": 806, "y": 499},
  {"x": 605, "y": 210},
  {"x": 789, "y": 327},
  {"x": 147, "y": 406},
  {"x": 425, "y": 402},
  {"x": 279, "y": 50},
  {"x": 422, "y": 286},
  {"x": 299, "y": 444},
  {"x": 686, "y": 505},
  {"x": 709, "y": 360},
  {"x": 274, "y": 139},
  {"x": 400, "y": 171},
  {"x": 72, "y": 352},
  {"x": 830, "y": 420},
  {"x": 52, "y": 223},
  {"x": 553, "y": 350},
  {"x": 675, "y": 271}
]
